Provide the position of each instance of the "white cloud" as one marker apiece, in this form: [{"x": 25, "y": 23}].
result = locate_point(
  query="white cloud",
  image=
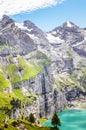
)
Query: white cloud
[{"x": 11, "y": 7}]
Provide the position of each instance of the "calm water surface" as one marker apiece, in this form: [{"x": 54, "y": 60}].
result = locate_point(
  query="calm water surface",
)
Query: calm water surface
[{"x": 71, "y": 120}]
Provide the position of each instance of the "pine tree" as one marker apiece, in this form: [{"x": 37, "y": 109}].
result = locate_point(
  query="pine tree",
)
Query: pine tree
[
  {"x": 55, "y": 120},
  {"x": 31, "y": 118}
]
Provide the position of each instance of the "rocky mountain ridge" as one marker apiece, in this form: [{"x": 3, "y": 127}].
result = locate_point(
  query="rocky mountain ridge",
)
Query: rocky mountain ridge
[{"x": 45, "y": 71}]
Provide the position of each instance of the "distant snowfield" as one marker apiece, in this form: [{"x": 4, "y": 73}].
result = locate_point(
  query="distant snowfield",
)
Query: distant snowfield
[{"x": 53, "y": 39}]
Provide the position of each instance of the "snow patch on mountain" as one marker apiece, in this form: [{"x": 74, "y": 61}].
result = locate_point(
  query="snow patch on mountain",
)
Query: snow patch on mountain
[
  {"x": 32, "y": 36},
  {"x": 53, "y": 32},
  {"x": 22, "y": 27},
  {"x": 69, "y": 24},
  {"x": 53, "y": 39},
  {"x": 77, "y": 44}
]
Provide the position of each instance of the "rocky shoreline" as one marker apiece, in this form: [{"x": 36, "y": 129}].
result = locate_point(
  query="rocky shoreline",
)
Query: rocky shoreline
[{"x": 78, "y": 105}]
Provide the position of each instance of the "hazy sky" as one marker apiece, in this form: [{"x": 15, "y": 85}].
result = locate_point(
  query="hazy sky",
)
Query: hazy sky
[{"x": 46, "y": 14}]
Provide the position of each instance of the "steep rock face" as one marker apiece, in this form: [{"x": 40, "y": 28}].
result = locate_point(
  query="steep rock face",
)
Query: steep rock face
[
  {"x": 38, "y": 67},
  {"x": 33, "y": 29},
  {"x": 80, "y": 48},
  {"x": 38, "y": 36},
  {"x": 14, "y": 38},
  {"x": 69, "y": 32},
  {"x": 5, "y": 21},
  {"x": 67, "y": 46}
]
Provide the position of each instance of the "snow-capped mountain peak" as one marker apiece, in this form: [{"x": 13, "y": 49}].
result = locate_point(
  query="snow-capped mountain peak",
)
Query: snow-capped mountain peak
[{"x": 69, "y": 24}]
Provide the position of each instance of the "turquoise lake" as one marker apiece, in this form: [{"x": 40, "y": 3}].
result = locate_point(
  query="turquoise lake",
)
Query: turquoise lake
[{"x": 71, "y": 120}]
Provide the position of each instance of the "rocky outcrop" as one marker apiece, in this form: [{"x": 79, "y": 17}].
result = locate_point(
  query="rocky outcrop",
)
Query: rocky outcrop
[
  {"x": 75, "y": 93},
  {"x": 81, "y": 52}
]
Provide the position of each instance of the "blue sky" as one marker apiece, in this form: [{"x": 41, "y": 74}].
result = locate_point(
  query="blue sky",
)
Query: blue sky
[{"x": 54, "y": 14}]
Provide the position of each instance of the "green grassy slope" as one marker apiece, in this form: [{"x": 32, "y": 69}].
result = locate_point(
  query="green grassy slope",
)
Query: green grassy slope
[
  {"x": 23, "y": 125},
  {"x": 13, "y": 73}
]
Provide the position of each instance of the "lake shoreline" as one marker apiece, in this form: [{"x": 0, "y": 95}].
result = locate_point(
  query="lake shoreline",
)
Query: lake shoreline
[{"x": 73, "y": 119}]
